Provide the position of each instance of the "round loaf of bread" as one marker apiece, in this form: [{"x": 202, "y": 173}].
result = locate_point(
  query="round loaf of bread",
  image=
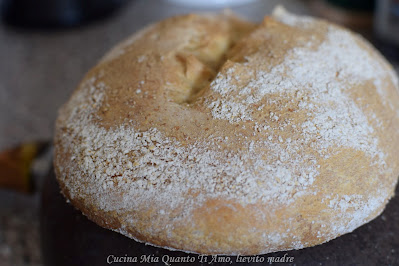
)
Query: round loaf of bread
[{"x": 210, "y": 134}]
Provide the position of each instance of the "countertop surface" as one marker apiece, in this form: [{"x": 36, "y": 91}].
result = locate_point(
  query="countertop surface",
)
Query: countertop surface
[{"x": 38, "y": 72}]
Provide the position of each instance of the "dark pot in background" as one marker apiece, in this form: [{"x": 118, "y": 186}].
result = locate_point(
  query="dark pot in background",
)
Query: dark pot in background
[
  {"x": 386, "y": 28},
  {"x": 55, "y": 14}
]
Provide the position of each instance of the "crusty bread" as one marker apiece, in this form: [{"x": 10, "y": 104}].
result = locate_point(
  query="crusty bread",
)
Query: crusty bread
[{"x": 209, "y": 134}]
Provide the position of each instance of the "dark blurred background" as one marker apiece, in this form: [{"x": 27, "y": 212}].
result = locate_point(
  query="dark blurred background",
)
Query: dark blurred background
[{"x": 46, "y": 46}]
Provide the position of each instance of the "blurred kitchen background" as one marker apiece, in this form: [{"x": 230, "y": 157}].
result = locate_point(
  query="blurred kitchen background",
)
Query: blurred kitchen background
[{"x": 46, "y": 46}]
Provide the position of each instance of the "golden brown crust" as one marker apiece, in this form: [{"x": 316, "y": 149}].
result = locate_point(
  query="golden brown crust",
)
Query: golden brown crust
[{"x": 208, "y": 134}]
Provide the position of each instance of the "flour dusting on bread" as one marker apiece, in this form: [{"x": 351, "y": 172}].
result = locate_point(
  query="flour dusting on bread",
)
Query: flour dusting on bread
[{"x": 235, "y": 139}]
